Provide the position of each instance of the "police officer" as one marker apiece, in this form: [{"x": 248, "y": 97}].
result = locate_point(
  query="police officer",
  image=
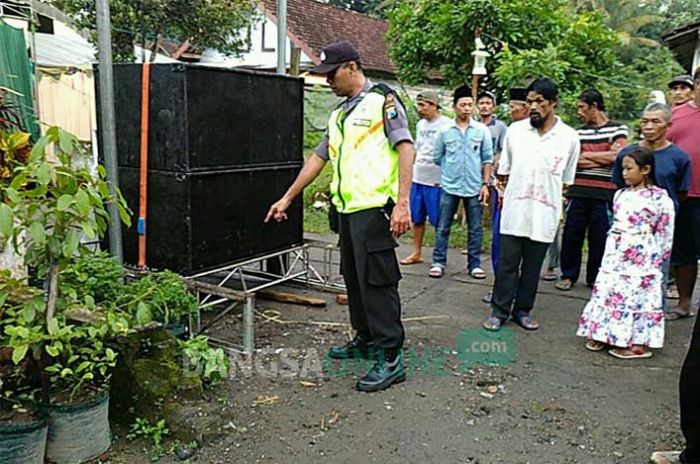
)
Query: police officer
[{"x": 370, "y": 149}]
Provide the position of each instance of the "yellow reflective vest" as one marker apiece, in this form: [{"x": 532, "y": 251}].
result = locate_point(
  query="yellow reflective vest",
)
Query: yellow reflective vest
[{"x": 365, "y": 165}]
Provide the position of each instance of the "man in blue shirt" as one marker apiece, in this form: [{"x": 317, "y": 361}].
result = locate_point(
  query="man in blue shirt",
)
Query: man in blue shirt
[
  {"x": 464, "y": 153},
  {"x": 671, "y": 165}
]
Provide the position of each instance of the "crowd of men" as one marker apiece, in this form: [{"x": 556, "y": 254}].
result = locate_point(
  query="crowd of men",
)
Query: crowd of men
[
  {"x": 379, "y": 187},
  {"x": 459, "y": 157}
]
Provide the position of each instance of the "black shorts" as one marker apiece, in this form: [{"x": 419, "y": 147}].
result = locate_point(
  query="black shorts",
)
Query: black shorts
[{"x": 686, "y": 237}]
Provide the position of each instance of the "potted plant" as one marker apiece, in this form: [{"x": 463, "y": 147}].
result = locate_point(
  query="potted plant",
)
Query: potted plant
[
  {"x": 47, "y": 207},
  {"x": 23, "y": 429}
]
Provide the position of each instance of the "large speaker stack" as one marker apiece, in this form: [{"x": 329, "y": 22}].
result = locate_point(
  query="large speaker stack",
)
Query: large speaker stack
[{"x": 223, "y": 146}]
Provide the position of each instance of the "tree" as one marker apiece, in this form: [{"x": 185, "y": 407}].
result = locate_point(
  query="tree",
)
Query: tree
[
  {"x": 627, "y": 18},
  {"x": 205, "y": 23},
  {"x": 527, "y": 38},
  {"x": 676, "y": 13}
]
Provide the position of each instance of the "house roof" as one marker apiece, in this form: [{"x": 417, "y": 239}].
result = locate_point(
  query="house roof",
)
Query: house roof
[
  {"x": 63, "y": 50},
  {"x": 311, "y": 25},
  {"x": 682, "y": 42}
]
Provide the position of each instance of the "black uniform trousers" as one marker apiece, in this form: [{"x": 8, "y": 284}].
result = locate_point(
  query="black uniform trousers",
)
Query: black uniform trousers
[
  {"x": 368, "y": 264},
  {"x": 519, "y": 266},
  {"x": 690, "y": 400}
]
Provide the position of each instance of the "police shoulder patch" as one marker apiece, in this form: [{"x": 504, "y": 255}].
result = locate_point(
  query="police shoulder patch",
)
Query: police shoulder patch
[{"x": 390, "y": 107}]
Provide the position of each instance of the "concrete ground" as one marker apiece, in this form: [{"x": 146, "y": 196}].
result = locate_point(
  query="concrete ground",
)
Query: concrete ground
[{"x": 556, "y": 403}]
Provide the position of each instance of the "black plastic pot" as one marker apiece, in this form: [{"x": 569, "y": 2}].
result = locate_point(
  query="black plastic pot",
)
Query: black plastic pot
[
  {"x": 23, "y": 443},
  {"x": 78, "y": 432}
]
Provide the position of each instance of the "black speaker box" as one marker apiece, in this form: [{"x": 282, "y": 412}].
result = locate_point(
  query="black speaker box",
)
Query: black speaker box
[{"x": 223, "y": 146}]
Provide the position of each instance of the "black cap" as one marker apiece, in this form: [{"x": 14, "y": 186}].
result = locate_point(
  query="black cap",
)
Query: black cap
[
  {"x": 486, "y": 93},
  {"x": 683, "y": 79},
  {"x": 461, "y": 92},
  {"x": 335, "y": 54},
  {"x": 517, "y": 94}
]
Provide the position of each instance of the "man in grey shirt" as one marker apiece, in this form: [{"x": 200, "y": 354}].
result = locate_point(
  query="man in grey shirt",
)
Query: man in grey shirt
[{"x": 425, "y": 190}]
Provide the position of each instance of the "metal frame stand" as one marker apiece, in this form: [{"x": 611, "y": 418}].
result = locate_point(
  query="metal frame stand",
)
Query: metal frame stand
[{"x": 253, "y": 275}]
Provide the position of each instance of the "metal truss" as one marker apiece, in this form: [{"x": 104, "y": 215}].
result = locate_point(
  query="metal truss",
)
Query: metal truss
[{"x": 292, "y": 265}]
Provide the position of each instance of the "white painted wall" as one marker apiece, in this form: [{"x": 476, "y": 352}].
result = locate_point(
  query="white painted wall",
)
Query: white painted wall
[{"x": 262, "y": 53}]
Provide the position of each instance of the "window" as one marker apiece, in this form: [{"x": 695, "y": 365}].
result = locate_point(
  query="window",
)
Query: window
[{"x": 269, "y": 40}]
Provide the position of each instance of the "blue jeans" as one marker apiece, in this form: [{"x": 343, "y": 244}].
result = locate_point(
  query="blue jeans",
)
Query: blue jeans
[{"x": 448, "y": 208}]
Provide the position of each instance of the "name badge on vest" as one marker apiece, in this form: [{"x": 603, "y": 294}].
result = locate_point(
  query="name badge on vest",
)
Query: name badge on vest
[{"x": 362, "y": 122}]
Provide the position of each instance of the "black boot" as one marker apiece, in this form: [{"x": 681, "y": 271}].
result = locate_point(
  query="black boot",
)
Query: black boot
[
  {"x": 357, "y": 348},
  {"x": 387, "y": 371}
]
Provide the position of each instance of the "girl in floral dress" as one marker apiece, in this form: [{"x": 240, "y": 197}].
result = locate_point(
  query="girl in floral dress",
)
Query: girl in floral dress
[{"x": 625, "y": 311}]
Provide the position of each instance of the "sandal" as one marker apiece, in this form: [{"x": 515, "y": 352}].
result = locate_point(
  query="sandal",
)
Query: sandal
[
  {"x": 633, "y": 353},
  {"x": 672, "y": 293},
  {"x": 527, "y": 322},
  {"x": 666, "y": 457},
  {"x": 436, "y": 272},
  {"x": 477, "y": 273},
  {"x": 594, "y": 345},
  {"x": 675, "y": 315},
  {"x": 564, "y": 285},
  {"x": 493, "y": 324},
  {"x": 407, "y": 261},
  {"x": 550, "y": 276}
]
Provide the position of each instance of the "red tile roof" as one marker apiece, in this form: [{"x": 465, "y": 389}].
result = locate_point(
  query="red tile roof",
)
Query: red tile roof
[{"x": 311, "y": 25}]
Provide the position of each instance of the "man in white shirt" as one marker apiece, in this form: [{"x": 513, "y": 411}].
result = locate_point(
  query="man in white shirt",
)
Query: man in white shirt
[
  {"x": 425, "y": 190},
  {"x": 539, "y": 156}
]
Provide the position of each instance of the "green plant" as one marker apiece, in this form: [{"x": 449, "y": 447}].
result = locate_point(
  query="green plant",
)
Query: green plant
[
  {"x": 46, "y": 206},
  {"x": 211, "y": 364},
  {"x": 218, "y": 24},
  {"x": 160, "y": 296},
  {"x": 94, "y": 274},
  {"x": 153, "y": 432}
]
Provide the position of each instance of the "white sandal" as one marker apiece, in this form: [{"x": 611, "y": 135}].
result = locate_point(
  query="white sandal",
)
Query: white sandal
[
  {"x": 478, "y": 273},
  {"x": 436, "y": 272}
]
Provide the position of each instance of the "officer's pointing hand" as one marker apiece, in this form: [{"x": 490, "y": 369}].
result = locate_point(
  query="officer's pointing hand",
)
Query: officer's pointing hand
[
  {"x": 277, "y": 210},
  {"x": 400, "y": 219}
]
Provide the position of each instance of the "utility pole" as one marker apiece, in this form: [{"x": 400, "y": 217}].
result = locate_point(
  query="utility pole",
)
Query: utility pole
[
  {"x": 109, "y": 132},
  {"x": 281, "y": 36}
]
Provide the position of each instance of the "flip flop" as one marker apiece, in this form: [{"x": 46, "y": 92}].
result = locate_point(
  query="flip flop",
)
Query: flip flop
[
  {"x": 674, "y": 315},
  {"x": 672, "y": 294},
  {"x": 410, "y": 260},
  {"x": 550, "y": 276},
  {"x": 615, "y": 352},
  {"x": 564, "y": 285},
  {"x": 493, "y": 324},
  {"x": 436, "y": 272},
  {"x": 593, "y": 345},
  {"x": 527, "y": 322},
  {"x": 478, "y": 273},
  {"x": 666, "y": 457}
]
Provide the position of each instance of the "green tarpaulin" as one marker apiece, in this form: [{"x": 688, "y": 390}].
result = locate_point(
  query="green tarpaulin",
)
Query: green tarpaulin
[{"x": 15, "y": 74}]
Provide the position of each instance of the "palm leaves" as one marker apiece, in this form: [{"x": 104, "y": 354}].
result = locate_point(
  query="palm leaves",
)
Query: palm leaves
[{"x": 626, "y": 17}]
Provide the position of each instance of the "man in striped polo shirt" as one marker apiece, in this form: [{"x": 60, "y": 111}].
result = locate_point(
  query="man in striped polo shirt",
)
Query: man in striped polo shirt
[{"x": 589, "y": 199}]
